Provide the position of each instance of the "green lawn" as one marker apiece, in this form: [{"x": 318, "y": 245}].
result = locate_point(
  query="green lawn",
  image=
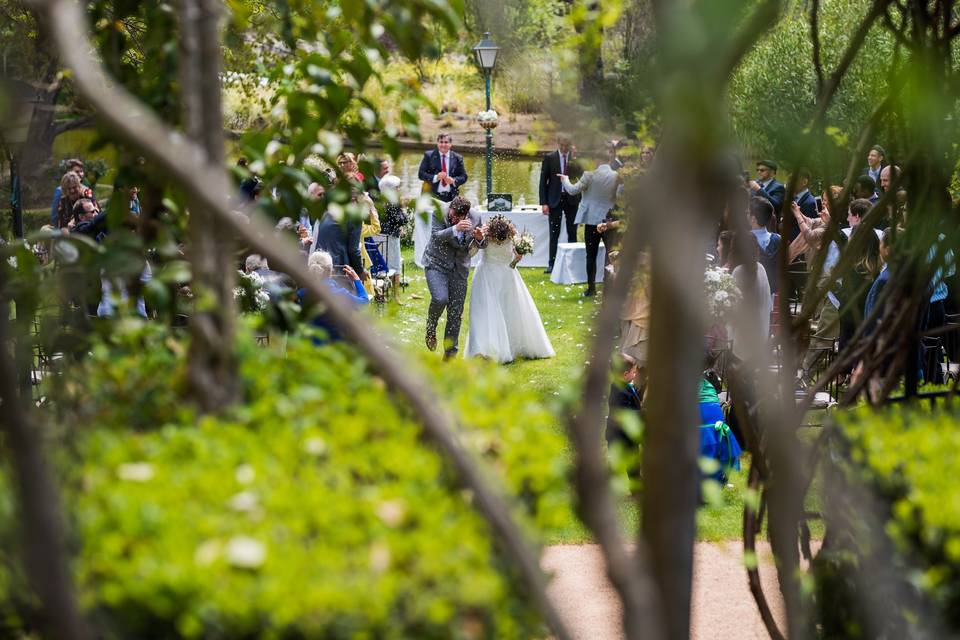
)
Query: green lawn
[{"x": 568, "y": 318}]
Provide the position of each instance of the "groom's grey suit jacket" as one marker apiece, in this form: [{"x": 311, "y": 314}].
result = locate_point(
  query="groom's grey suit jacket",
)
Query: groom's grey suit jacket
[{"x": 450, "y": 250}]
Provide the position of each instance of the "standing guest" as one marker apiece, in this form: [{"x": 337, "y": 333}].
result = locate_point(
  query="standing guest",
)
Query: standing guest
[
  {"x": 340, "y": 240},
  {"x": 759, "y": 214},
  {"x": 724, "y": 247},
  {"x": 646, "y": 157},
  {"x": 598, "y": 191},
  {"x": 751, "y": 335},
  {"x": 865, "y": 188},
  {"x": 72, "y": 165},
  {"x": 394, "y": 219},
  {"x": 347, "y": 163},
  {"x": 856, "y": 285},
  {"x": 875, "y": 164},
  {"x": 626, "y": 394},
  {"x": 767, "y": 186},
  {"x": 385, "y": 170},
  {"x": 555, "y": 202},
  {"x": 369, "y": 227},
  {"x": 72, "y": 191},
  {"x": 443, "y": 170},
  {"x": 887, "y": 175},
  {"x": 454, "y": 239},
  {"x": 804, "y": 200}
]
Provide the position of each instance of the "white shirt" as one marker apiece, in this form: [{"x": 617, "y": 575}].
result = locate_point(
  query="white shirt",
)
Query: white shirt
[{"x": 444, "y": 161}]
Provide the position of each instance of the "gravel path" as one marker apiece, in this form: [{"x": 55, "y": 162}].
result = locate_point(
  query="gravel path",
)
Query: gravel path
[{"x": 722, "y": 604}]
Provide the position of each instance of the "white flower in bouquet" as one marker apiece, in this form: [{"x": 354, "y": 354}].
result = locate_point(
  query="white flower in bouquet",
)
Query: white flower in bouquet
[
  {"x": 721, "y": 291},
  {"x": 523, "y": 243}
]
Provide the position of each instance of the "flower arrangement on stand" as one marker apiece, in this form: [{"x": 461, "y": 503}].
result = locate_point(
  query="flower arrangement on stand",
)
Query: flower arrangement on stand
[
  {"x": 488, "y": 119},
  {"x": 249, "y": 293}
]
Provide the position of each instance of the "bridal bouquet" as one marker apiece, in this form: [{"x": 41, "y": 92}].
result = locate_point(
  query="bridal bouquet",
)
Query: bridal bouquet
[
  {"x": 722, "y": 292},
  {"x": 523, "y": 243}
]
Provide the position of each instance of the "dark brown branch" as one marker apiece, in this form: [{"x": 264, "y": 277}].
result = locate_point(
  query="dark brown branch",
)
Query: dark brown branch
[
  {"x": 178, "y": 158},
  {"x": 594, "y": 499},
  {"x": 752, "y": 522},
  {"x": 76, "y": 123},
  {"x": 41, "y": 518},
  {"x": 815, "y": 40}
]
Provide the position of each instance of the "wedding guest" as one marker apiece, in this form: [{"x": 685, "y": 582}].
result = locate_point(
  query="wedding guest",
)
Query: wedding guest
[
  {"x": 751, "y": 333},
  {"x": 767, "y": 186},
  {"x": 759, "y": 213},
  {"x": 340, "y": 240},
  {"x": 394, "y": 219},
  {"x": 72, "y": 191},
  {"x": 635, "y": 317},
  {"x": 887, "y": 175},
  {"x": 555, "y": 202},
  {"x": 454, "y": 239},
  {"x": 72, "y": 165},
  {"x": 856, "y": 285},
  {"x": 347, "y": 163},
  {"x": 875, "y": 165},
  {"x": 855, "y": 214},
  {"x": 598, "y": 195},
  {"x": 865, "y": 188},
  {"x": 321, "y": 265},
  {"x": 724, "y": 247},
  {"x": 805, "y": 200},
  {"x": 443, "y": 170},
  {"x": 646, "y": 157},
  {"x": 626, "y": 395}
]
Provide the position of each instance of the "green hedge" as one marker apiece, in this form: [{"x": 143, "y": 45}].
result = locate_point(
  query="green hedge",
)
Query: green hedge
[
  {"x": 314, "y": 510},
  {"x": 905, "y": 457}
]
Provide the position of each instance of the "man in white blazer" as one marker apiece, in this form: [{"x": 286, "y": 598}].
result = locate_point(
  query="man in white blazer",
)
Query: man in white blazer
[{"x": 599, "y": 195}]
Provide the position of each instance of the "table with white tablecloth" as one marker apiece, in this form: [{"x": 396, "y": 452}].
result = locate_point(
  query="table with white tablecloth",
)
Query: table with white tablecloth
[
  {"x": 570, "y": 266},
  {"x": 527, "y": 220}
]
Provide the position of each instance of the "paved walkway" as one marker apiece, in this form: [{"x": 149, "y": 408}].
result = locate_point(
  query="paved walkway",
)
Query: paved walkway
[{"x": 722, "y": 604}]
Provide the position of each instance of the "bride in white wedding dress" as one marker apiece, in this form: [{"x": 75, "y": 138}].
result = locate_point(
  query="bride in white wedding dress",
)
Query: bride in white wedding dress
[{"x": 504, "y": 321}]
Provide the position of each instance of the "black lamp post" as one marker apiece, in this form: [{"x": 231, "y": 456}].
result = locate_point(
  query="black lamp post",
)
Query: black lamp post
[
  {"x": 14, "y": 137},
  {"x": 486, "y": 55}
]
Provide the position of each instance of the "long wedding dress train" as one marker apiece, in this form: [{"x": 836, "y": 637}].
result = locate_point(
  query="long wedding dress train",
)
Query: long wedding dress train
[{"x": 504, "y": 321}]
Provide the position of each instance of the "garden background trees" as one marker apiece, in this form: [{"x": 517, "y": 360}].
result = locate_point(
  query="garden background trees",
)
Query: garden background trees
[{"x": 322, "y": 57}]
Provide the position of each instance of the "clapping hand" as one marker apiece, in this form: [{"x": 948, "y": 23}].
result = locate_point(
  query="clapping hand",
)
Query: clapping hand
[
  {"x": 795, "y": 208},
  {"x": 478, "y": 233},
  {"x": 350, "y": 273},
  {"x": 464, "y": 225}
]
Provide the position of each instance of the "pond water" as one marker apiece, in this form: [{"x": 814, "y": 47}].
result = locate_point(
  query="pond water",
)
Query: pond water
[{"x": 519, "y": 176}]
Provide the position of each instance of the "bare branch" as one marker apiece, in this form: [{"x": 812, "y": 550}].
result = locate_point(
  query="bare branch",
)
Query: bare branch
[
  {"x": 815, "y": 40},
  {"x": 178, "y": 157},
  {"x": 76, "y": 123}
]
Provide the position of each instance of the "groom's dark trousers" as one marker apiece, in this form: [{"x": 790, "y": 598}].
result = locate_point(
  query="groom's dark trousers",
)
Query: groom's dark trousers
[{"x": 446, "y": 264}]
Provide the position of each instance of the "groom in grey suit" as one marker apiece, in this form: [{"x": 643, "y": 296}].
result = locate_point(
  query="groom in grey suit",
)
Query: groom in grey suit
[{"x": 454, "y": 239}]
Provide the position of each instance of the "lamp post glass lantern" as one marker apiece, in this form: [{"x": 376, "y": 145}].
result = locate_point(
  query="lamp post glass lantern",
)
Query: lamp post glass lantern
[{"x": 485, "y": 53}]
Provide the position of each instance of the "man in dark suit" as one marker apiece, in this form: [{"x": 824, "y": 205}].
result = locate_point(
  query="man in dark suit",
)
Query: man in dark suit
[
  {"x": 454, "y": 239},
  {"x": 554, "y": 201},
  {"x": 443, "y": 170},
  {"x": 767, "y": 186},
  {"x": 805, "y": 200},
  {"x": 340, "y": 240},
  {"x": 875, "y": 164}
]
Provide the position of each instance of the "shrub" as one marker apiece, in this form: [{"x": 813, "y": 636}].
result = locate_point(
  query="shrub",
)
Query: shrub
[
  {"x": 312, "y": 510},
  {"x": 901, "y": 455}
]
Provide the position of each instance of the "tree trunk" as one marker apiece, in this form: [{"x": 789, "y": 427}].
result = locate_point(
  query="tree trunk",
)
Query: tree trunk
[{"x": 212, "y": 367}]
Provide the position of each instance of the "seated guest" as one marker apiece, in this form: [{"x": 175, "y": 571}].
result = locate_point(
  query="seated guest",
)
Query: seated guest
[
  {"x": 274, "y": 283},
  {"x": 72, "y": 166},
  {"x": 626, "y": 395},
  {"x": 759, "y": 214},
  {"x": 394, "y": 220},
  {"x": 320, "y": 265},
  {"x": 71, "y": 191},
  {"x": 855, "y": 214},
  {"x": 856, "y": 285}
]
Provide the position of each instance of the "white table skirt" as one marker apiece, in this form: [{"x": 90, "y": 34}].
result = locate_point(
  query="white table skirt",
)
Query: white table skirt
[
  {"x": 529, "y": 220},
  {"x": 571, "y": 264}
]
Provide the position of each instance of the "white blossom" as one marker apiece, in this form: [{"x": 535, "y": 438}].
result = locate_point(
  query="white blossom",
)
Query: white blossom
[{"x": 245, "y": 553}]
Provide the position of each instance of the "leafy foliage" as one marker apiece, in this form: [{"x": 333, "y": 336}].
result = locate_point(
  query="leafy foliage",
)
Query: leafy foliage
[
  {"x": 899, "y": 455},
  {"x": 313, "y": 510},
  {"x": 773, "y": 92}
]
